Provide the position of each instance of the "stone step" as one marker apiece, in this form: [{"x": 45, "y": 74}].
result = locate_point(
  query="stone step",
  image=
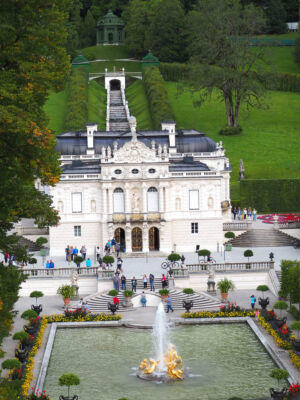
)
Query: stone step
[
  {"x": 262, "y": 238},
  {"x": 202, "y": 301},
  {"x": 279, "y": 273},
  {"x": 32, "y": 246}
]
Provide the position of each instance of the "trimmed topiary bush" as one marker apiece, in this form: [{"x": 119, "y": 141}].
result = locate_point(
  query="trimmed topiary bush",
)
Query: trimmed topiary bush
[
  {"x": 109, "y": 260},
  {"x": 128, "y": 293},
  {"x": 279, "y": 374},
  {"x": 113, "y": 293},
  {"x": 188, "y": 291},
  {"x": 174, "y": 257},
  {"x": 280, "y": 305},
  {"x": 21, "y": 335},
  {"x": 296, "y": 327},
  {"x": 230, "y": 235},
  {"x": 164, "y": 292},
  {"x": 29, "y": 314},
  {"x": 36, "y": 294},
  {"x": 203, "y": 253},
  {"x": 262, "y": 288},
  {"x": 248, "y": 254},
  {"x": 68, "y": 380},
  {"x": 230, "y": 131},
  {"x": 78, "y": 260},
  {"x": 11, "y": 363},
  {"x": 41, "y": 241}
]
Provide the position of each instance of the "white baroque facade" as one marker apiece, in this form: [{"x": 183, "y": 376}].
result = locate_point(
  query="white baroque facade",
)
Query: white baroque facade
[{"x": 151, "y": 190}]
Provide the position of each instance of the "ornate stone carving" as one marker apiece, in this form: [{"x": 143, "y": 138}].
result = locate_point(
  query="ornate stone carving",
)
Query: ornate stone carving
[
  {"x": 134, "y": 151},
  {"x": 136, "y": 217},
  {"x": 153, "y": 217},
  {"x": 118, "y": 218}
]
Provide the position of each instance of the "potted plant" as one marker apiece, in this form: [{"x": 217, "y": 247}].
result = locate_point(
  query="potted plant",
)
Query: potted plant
[
  {"x": 188, "y": 303},
  {"x": 29, "y": 315},
  {"x": 262, "y": 301},
  {"x": 37, "y": 308},
  {"x": 230, "y": 235},
  {"x": 68, "y": 380},
  {"x": 203, "y": 253},
  {"x": 78, "y": 260},
  {"x": 296, "y": 342},
  {"x": 128, "y": 294},
  {"x": 15, "y": 365},
  {"x": 280, "y": 305},
  {"x": 248, "y": 254},
  {"x": 66, "y": 291},
  {"x": 164, "y": 293},
  {"x": 278, "y": 374},
  {"x": 108, "y": 260},
  {"x": 224, "y": 285},
  {"x": 113, "y": 293},
  {"x": 37, "y": 395},
  {"x": 23, "y": 337}
]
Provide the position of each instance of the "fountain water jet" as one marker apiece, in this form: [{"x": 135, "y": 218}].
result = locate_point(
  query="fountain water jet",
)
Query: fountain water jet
[{"x": 168, "y": 365}]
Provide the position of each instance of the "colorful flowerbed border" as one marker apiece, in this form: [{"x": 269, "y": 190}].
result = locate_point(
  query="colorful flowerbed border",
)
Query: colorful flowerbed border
[
  {"x": 45, "y": 320},
  {"x": 282, "y": 218},
  {"x": 283, "y": 344},
  {"x": 218, "y": 314}
]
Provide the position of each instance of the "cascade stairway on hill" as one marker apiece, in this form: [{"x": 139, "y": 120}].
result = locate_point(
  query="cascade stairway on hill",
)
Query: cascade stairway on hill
[
  {"x": 262, "y": 238},
  {"x": 117, "y": 114},
  {"x": 98, "y": 303}
]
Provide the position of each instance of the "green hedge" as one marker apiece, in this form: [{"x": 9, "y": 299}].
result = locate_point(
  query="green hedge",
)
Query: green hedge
[
  {"x": 285, "y": 82},
  {"x": 270, "y": 195},
  {"x": 77, "y": 101},
  {"x": 157, "y": 96}
]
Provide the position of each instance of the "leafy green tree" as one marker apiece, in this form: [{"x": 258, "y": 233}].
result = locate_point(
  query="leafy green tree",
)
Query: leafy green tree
[
  {"x": 88, "y": 31},
  {"x": 276, "y": 16},
  {"x": 73, "y": 27},
  {"x": 33, "y": 61},
  {"x": 219, "y": 39}
]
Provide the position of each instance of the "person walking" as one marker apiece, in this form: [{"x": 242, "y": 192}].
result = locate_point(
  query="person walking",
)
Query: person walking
[
  {"x": 145, "y": 281},
  {"x": 113, "y": 244},
  {"x": 239, "y": 213},
  {"x": 98, "y": 253},
  {"x": 133, "y": 284},
  {"x": 143, "y": 299},
  {"x": 71, "y": 253},
  {"x": 88, "y": 263},
  {"x": 118, "y": 249},
  {"x": 75, "y": 252},
  {"x": 123, "y": 282},
  {"x": 83, "y": 252},
  {"x": 245, "y": 214},
  {"x": 234, "y": 213},
  {"x": 116, "y": 301},
  {"x": 119, "y": 264},
  {"x": 249, "y": 213},
  {"x": 151, "y": 280},
  {"x": 116, "y": 282},
  {"x": 164, "y": 281},
  {"x": 252, "y": 300},
  {"x": 67, "y": 251},
  {"x": 169, "y": 304},
  {"x": 254, "y": 214}
]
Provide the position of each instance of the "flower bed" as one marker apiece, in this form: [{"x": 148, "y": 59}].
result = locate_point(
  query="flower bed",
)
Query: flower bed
[
  {"x": 75, "y": 316},
  {"x": 282, "y": 218},
  {"x": 218, "y": 314}
]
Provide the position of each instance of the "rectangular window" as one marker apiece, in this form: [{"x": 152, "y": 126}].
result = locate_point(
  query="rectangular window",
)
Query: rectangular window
[
  {"x": 194, "y": 227},
  {"x": 77, "y": 230},
  {"x": 76, "y": 202},
  {"x": 194, "y": 199}
]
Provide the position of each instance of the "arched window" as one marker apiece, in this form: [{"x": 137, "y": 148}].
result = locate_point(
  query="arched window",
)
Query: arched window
[
  {"x": 152, "y": 199},
  {"x": 119, "y": 200}
]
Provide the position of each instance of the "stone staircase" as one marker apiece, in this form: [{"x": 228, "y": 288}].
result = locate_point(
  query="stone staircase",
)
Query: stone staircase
[
  {"x": 262, "y": 238},
  {"x": 98, "y": 302},
  {"x": 278, "y": 273},
  {"x": 117, "y": 114},
  {"x": 32, "y": 246}
]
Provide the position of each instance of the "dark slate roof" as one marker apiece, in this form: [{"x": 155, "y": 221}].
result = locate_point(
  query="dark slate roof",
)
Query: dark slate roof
[
  {"x": 188, "y": 164},
  {"x": 187, "y": 141},
  {"x": 78, "y": 167}
]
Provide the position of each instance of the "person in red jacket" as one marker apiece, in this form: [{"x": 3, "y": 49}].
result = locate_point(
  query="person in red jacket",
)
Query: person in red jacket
[{"x": 116, "y": 300}]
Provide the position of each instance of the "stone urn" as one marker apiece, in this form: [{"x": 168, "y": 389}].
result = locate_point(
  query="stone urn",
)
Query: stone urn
[
  {"x": 187, "y": 304},
  {"x": 263, "y": 302},
  {"x": 75, "y": 397},
  {"x": 21, "y": 355},
  {"x": 278, "y": 394},
  {"x": 112, "y": 307},
  {"x": 38, "y": 309},
  {"x": 280, "y": 322},
  {"x": 127, "y": 301}
]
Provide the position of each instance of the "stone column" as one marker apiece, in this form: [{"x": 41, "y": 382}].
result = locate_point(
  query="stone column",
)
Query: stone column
[
  {"x": 144, "y": 206},
  {"x": 104, "y": 201},
  {"x": 167, "y": 205},
  {"x": 128, "y": 238},
  {"x": 161, "y": 199},
  {"x": 110, "y": 201},
  {"x": 127, "y": 199},
  {"x": 145, "y": 238}
]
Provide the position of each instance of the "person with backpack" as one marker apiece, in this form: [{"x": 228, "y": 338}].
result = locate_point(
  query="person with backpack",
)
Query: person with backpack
[
  {"x": 253, "y": 300},
  {"x": 123, "y": 282},
  {"x": 133, "y": 284},
  {"x": 151, "y": 280},
  {"x": 143, "y": 299}
]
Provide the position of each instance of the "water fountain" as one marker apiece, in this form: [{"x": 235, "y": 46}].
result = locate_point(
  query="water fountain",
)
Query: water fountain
[{"x": 168, "y": 365}]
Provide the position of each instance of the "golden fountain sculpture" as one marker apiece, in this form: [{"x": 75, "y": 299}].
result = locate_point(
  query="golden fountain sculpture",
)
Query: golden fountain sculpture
[{"x": 172, "y": 361}]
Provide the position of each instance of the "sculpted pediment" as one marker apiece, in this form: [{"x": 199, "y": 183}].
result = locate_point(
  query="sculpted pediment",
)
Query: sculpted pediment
[{"x": 134, "y": 152}]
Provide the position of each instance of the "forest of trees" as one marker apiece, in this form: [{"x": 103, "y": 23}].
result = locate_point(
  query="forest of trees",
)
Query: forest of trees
[{"x": 162, "y": 25}]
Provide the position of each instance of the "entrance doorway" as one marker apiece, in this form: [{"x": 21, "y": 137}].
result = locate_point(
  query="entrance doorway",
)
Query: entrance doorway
[
  {"x": 153, "y": 238},
  {"x": 110, "y": 37},
  {"x": 120, "y": 237},
  {"x": 115, "y": 84},
  {"x": 137, "y": 239}
]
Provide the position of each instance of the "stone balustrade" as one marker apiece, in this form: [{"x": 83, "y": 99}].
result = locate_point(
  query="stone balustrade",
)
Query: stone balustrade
[
  {"x": 60, "y": 272},
  {"x": 231, "y": 267},
  {"x": 237, "y": 226},
  {"x": 31, "y": 230}
]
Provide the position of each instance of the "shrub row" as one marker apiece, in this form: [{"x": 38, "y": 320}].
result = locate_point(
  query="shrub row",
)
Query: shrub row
[
  {"x": 284, "y": 82},
  {"x": 157, "y": 96},
  {"x": 260, "y": 194},
  {"x": 77, "y": 102},
  {"x": 290, "y": 281}
]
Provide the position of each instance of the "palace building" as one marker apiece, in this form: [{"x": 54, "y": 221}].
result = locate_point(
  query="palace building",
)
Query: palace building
[{"x": 165, "y": 190}]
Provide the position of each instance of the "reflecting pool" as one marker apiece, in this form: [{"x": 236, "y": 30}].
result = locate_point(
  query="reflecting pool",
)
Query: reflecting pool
[{"x": 222, "y": 361}]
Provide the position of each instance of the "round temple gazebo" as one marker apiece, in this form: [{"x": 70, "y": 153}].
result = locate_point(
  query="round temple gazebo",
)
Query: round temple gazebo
[{"x": 110, "y": 30}]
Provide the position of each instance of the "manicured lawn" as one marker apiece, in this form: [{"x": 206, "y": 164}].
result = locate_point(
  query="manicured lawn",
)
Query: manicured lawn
[
  {"x": 130, "y": 66},
  {"x": 288, "y": 35},
  {"x": 269, "y": 144},
  {"x": 138, "y": 105},
  {"x": 55, "y": 108},
  {"x": 105, "y": 52},
  {"x": 97, "y": 104},
  {"x": 281, "y": 60}
]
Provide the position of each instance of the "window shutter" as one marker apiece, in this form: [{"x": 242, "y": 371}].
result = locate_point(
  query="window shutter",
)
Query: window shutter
[
  {"x": 76, "y": 202},
  {"x": 194, "y": 199}
]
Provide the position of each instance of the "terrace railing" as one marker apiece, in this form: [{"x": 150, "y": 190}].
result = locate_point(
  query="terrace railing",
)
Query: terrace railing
[
  {"x": 237, "y": 226},
  {"x": 60, "y": 272},
  {"x": 231, "y": 267}
]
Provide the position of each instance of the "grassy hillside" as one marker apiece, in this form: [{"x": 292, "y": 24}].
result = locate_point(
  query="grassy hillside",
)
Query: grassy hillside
[
  {"x": 130, "y": 66},
  {"x": 105, "y": 52},
  {"x": 281, "y": 59},
  {"x": 55, "y": 109},
  {"x": 138, "y": 105},
  {"x": 97, "y": 104},
  {"x": 270, "y": 141},
  {"x": 56, "y": 106}
]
